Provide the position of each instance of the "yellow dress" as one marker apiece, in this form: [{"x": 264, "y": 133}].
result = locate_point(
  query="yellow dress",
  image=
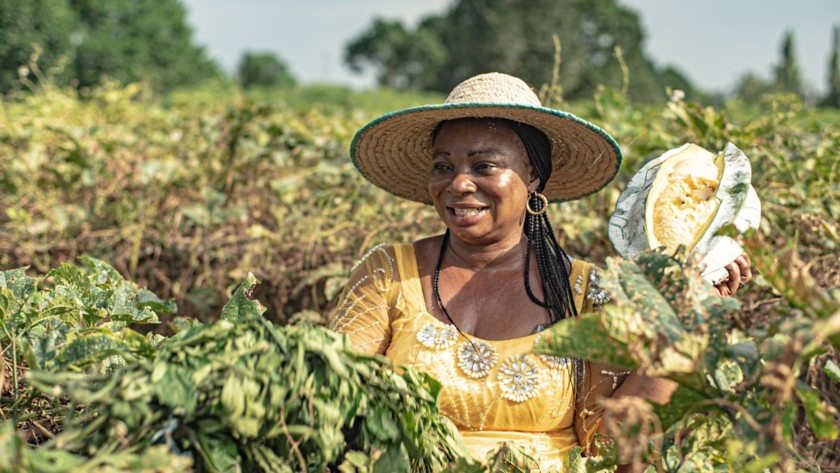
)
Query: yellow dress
[{"x": 493, "y": 390}]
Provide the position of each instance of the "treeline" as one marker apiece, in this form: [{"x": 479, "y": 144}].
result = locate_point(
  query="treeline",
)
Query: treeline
[
  {"x": 83, "y": 42},
  {"x": 572, "y": 46},
  {"x": 515, "y": 36}
]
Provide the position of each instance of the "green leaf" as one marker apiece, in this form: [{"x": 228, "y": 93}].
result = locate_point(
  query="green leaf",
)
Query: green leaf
[
  {"x": 682, "y": 401},
  {"x": 832, "y": 370},
  {"x": 391, "y": 429},
  {"x": 8, "y": 303},
  {"x": 584, "y": 338},
  {"x": 90, "y": 348},
  {"x": 819, "y": 418},
  {"x": 148, "y": 300},
  {"x": 393, "y": 460},
  {"x": 175, "y": 388},
  {"x": 103, "y": 273},
  {"x": 43, "y": 341},
  {"x": 240, "y": 307},
  {"x": 574, "y": 461},
  {"x": 16, "y": 280}
]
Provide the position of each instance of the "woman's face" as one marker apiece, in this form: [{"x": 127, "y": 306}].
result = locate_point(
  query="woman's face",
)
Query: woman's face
[{"x": 480, "y": 180}]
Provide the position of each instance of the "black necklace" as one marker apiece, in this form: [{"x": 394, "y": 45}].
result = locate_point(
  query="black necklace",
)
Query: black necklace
[{"x": 436, "y": 280}]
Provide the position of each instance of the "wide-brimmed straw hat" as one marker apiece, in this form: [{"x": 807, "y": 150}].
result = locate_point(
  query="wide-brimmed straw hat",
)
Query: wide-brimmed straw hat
[{"x": 394, "y": 152}]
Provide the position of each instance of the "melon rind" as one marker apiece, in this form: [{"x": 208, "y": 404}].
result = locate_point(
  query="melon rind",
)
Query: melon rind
[
  {"x": 739, "y": 206},
  {"x": 626, "y": 228}
]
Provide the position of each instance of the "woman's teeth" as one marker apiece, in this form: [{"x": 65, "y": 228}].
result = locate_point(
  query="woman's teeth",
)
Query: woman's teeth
[{"x": 462, "y": 212}]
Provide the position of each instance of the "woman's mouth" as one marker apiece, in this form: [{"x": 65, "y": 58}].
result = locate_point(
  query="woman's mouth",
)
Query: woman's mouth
[
  {"x": 464, "y": 212},
  {"x": 466, "y": 216}
]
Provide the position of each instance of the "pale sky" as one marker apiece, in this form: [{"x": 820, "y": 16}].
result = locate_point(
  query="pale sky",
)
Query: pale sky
[{"x": 714, "y": 42}]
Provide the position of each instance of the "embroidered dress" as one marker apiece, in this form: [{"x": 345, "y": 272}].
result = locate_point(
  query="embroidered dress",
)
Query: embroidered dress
[{"x": 493, "y": 390}]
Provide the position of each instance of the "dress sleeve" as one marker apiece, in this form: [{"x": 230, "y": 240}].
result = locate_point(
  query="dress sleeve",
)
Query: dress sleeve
[
  {"x": 366, "y": 305},
  {"x": 598, "y": 381}
]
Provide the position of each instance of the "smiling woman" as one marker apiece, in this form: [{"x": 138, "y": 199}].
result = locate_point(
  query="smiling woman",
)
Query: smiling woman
[
  {"x": 468, "y": 306},
  {"x": 480, "y": 180}
]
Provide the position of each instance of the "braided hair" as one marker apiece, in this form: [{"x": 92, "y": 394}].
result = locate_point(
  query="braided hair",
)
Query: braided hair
[{"x": 552, "y": 261}]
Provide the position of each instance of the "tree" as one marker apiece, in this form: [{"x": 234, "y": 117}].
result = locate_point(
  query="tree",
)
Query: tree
[
  {"x": 127, "y": 40},
  {"x": 788, "y": 77},
  {"x": 751, "y": 88},
  {"x": 51, "y": 25},
  {"x": 264, "y": 70},
  {"x": 139, "y": 40},
  {"x": 401, "y": 58},
  {"x": 514, "y": 36},
  {"x": 832, "y": 99}
]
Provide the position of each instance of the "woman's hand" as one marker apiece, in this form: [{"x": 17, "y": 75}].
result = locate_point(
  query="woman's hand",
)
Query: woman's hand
[{"x": 740, "y": 272}]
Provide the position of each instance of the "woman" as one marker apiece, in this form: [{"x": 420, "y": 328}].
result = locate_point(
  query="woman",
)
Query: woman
[{"x": 467, "y": 306}]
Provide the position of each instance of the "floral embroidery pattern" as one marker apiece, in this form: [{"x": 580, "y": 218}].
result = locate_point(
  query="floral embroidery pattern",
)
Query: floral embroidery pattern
[
  {"x": 437, "y": 336},
  {"x": 597, "y": 295},
  {"x": 518, "y": 379},
  {"x": 579, "y": 284},
  {"x": 476, "y": 359},
  {"x": 554, "y": 361}
]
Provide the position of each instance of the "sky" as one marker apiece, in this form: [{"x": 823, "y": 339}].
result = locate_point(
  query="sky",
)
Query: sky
[{"x": 713, "y": 42}]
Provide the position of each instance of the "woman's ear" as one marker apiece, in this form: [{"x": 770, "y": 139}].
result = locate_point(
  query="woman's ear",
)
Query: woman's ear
[{"x": 534, "y": 184}]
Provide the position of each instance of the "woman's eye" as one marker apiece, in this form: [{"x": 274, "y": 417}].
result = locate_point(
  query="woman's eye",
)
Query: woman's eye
[
  {"x": 440, "y": 167},
  {"x": 484, "y": 167}
]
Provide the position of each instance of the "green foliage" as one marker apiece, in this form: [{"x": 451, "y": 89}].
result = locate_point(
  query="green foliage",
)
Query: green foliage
[
  {"x": 45, "y": 28},
  {"x": 832, "y": 98},
  {"x": 403, "y": 59},
  {"x": 264, "y": 70},
  {"x": 189, "y": 196},
  {"x": 74, "y": 318},
  {"x": 515, "y": 36},
  {"x": 90, "y": 41},
  {"x": 788, "y": 77},
  {"x": 664, "y": 322},
  {"x": 243, "y": 392}
]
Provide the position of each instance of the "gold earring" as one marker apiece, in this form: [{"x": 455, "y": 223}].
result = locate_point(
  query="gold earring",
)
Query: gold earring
[{"x": 544, "y": 204}]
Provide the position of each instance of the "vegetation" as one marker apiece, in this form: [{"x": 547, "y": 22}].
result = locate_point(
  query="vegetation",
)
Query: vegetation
[
  {"x": 264, "y": 70},
  {"x": 187, "y": 197},
  {"x": 85, "y": 42},
  {"x": 515, "y": 36}
]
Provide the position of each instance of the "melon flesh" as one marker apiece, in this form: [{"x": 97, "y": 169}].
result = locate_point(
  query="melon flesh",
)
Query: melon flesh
[
  {"x": 683, "y": 197},
  {"x": 681, "y": 203}
]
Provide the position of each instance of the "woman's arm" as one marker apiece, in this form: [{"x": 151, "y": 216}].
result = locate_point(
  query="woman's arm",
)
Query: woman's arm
[{"x": 363, "y": 311}]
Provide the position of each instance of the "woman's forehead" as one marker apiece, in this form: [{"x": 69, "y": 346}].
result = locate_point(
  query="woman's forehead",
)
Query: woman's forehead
[{"x": 469, "y": 128}]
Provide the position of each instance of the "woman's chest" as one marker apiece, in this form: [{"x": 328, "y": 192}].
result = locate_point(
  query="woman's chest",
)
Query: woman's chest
[
  {"x": 487, "y": 385},
  {"x": 486, "y": 306}
]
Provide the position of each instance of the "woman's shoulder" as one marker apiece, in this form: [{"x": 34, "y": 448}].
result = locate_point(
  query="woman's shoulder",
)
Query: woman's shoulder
[
  {"x": 387, "y": 262},
  {"x": 585, "y": 278}
]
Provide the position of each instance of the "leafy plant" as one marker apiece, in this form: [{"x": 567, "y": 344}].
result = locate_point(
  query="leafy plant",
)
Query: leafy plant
[
  {"x": 244, "y": 393},
  {"x": 73, "y": 319},
  {"x": 737, "y": 389}
]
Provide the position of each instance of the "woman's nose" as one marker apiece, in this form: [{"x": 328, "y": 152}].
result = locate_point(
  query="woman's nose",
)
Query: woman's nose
[{"x": 461, "y": 183}]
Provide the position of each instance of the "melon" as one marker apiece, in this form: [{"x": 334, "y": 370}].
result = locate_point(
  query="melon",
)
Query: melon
[{"x": 682, "y": 198}]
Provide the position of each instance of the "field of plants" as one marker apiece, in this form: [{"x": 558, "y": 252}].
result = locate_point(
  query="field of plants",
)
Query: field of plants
[{"x": 135, "y": 336}]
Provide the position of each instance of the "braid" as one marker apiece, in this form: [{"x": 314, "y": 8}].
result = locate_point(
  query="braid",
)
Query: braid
[{"x": 551, "y": 259}]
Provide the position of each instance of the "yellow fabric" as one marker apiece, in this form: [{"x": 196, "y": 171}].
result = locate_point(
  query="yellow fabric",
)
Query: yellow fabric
[{"x": 383, "y": 311}]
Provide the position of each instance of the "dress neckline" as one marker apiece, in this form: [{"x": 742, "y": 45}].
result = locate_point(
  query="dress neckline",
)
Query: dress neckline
[{"x": 410, "y": 274}]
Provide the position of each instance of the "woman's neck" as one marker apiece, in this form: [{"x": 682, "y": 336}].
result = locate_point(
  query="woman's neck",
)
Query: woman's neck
[{"x": 504, "y": 255}]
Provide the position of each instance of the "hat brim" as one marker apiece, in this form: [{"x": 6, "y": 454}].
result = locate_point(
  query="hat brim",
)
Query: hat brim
[{"x": 394, "y": 151}]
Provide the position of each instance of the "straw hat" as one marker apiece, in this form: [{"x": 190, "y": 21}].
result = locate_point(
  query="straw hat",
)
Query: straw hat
[{"x": 394, "y": 151}]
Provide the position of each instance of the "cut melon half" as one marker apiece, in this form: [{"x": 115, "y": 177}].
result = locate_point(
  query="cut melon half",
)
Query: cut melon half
[
  {"x": 682, "y": 202},
  {"x": 684, "y": 197}
]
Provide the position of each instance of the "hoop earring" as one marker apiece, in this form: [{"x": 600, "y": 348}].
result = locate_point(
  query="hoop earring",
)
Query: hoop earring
[{"x": 544, "y": 204}]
